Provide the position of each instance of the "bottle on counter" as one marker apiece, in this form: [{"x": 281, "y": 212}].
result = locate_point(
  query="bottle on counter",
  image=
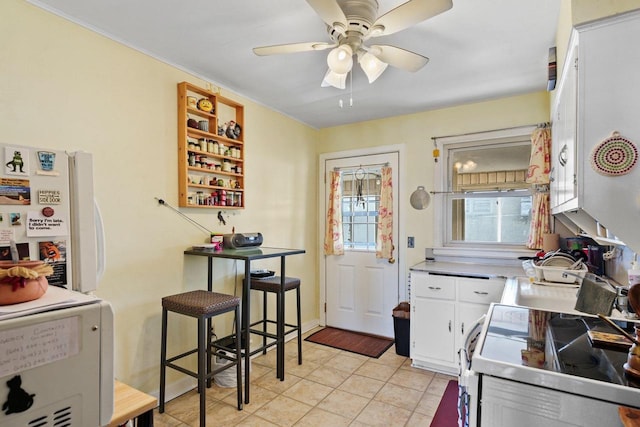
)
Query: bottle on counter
[{"x": 634, "y": 284}]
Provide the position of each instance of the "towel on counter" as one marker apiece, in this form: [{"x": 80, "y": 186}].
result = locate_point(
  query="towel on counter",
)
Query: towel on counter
[{"x": 595, "y": 297}]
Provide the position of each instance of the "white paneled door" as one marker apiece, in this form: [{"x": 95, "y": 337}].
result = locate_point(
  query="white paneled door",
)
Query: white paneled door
[{"x": 361, "y": 290}]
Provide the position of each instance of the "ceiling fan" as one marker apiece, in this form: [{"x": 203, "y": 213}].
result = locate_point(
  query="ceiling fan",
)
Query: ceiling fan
[{"x": 350, "y": 23}]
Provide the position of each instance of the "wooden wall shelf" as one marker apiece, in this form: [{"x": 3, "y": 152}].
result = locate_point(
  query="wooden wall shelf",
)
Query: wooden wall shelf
[{"x": 210, "y": 163}]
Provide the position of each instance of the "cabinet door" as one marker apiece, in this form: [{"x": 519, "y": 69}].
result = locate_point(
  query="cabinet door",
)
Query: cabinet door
[
  {"x": 564, "y": 135},
  {"x": 432, "y": 330},
  {"x": 468, "y": 314}
]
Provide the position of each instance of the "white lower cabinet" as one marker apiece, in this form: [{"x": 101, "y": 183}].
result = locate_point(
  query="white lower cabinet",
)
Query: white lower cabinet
[{"x": 443, "y": 309}]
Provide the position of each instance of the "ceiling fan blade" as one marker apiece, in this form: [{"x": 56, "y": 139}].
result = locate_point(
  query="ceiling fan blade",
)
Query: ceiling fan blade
[
  {"x": 292, "y": 48},
  {"x": 330, "y": 11},
  {"x": 410, "y": 13},
  {"x": 398, "y": 57}
]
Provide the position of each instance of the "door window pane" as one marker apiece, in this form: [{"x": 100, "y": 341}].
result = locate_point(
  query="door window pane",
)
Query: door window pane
[{"x": 360, "y": 202}]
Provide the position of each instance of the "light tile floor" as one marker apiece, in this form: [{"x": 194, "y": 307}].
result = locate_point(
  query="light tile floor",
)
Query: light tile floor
[{"x": 331, "y": 388}]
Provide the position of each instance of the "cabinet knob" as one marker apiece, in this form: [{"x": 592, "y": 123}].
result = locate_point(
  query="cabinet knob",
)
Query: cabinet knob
[
  {"x": 449, "y": 325},
  {"x": 480, "y": 293},
  {"x": 435, "y": 288}
]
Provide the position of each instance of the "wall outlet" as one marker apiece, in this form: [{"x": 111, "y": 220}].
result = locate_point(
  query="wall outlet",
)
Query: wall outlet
[{"x": 410, "y": 242}]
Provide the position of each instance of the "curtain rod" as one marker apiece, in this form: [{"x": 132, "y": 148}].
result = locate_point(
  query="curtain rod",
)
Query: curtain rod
[
  {"x": 539, "y": 125},
  {"x": 360, "y": 166}
]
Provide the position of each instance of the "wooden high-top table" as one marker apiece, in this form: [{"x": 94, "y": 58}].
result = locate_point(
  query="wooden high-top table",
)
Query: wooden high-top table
[{"x": 249, "y": 255}]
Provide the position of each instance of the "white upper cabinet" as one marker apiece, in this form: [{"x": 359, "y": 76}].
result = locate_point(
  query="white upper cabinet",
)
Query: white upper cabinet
[{"x": 599, "y": 94}]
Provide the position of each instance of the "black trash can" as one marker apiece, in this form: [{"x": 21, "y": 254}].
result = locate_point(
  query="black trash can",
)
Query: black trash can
[{"x": 401, "y": 324}]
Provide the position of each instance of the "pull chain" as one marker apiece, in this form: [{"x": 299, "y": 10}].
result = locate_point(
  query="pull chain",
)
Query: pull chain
[{"x": 340, "y": 103}]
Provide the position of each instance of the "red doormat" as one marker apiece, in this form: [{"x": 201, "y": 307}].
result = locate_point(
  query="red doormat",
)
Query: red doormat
[
  {"x": 447, "y": 412},
  {"x": 354, "y": 342}
]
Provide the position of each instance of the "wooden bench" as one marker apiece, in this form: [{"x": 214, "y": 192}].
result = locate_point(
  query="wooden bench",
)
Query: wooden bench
[{"x": 130, "y": 403}]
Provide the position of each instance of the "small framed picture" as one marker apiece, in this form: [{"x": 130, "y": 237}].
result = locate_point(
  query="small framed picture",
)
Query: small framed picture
[{"x": 16, "y": 161}]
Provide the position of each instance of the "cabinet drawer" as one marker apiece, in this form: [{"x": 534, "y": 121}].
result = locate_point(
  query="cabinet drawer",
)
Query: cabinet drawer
[
  {"x": 480, "y": 291},
  {"x": 432, "y": 286}
]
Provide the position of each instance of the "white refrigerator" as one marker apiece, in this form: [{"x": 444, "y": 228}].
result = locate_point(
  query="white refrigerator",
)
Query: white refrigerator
[{"x": 56, "y": 352}]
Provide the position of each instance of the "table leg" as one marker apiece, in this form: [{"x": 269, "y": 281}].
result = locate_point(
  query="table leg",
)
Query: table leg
[
  {"x": 210, "y": 274},
  {"x": 280, "y": 346},
  {"x": 246, "y": 309},
  {"x": 209, "y": 326}
]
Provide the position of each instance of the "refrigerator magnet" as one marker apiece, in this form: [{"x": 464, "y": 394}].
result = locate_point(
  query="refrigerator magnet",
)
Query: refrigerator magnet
[
  {"x": 49, "y": 197},
  {"x": 15, "y": 191},
  {"x": 47, "y": 160},
  {"x": 16, "y": 161}
]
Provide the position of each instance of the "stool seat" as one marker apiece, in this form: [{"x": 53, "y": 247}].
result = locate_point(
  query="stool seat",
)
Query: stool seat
[
  {"x": 272, "y": 284},
  {"x": 200, "y": 303}
]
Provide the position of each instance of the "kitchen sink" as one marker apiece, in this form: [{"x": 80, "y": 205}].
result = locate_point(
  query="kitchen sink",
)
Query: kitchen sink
[
  {"x": 558, "y": 298},
  {"x": 520, "y": 291}
]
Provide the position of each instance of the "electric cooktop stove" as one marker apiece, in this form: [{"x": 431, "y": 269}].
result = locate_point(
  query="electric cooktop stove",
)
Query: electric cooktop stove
[{"x": 554, "y": 350}]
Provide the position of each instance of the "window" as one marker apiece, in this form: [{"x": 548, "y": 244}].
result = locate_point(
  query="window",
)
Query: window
[
  {"x": 360, "y": 206},
  {"x": 486, "y": 201}
]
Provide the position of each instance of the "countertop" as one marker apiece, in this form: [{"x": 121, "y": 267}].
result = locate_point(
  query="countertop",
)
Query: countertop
[
  {"x": 505, "y": 362},
  {"x": 469, "y": 269}
]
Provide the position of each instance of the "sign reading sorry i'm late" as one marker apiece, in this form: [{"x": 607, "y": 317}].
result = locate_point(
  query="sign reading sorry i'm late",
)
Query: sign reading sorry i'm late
[{"x": 40, "y": 225}]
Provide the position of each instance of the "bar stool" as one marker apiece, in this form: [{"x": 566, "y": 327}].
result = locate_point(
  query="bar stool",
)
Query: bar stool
[
  {"x": 202, "y": 305},
  {"x": 273, "y": 285}
]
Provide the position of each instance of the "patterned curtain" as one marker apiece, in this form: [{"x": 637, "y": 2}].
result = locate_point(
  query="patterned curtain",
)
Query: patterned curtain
[
  {"x": 540, "y": 162},
  {"x": 540, "y": 223},
  {"x": 384, "y": 241},
  {"x": 333, "y": 241},
  {"x": 538, "y": 174}
]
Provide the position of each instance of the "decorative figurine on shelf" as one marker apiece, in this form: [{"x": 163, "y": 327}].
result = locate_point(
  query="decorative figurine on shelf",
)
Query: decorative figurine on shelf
[
  {"x": 233, "y": 130},
  {"x": 205, "y": 105},
  {"x": 221, "y": 130}
]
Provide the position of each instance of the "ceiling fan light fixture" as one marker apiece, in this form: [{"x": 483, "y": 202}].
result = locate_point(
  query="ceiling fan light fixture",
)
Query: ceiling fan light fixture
[
  {"x": 376, "y": 31},
  {"x": 340, "y": 59},
  {"x": 334, "y": 79},
  {"x": 372, "y": 66}
]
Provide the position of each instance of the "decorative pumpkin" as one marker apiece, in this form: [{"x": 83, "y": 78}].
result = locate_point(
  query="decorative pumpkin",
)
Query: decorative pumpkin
[
  {"x": 205, "y": 105},
  {"x": 23, "y": 281}
]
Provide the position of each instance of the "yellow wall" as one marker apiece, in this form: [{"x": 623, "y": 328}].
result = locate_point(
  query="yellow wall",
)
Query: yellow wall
[
  {"x": 62, "y": 86},
  {"x": 415, "y": 132}
]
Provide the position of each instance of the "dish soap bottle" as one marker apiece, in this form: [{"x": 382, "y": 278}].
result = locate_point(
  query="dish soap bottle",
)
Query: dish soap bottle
[{"x": 634, "y": 284}]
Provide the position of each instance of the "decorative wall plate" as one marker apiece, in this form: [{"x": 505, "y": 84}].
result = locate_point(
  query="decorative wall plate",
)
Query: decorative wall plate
[{"x": 614, "y": 156}]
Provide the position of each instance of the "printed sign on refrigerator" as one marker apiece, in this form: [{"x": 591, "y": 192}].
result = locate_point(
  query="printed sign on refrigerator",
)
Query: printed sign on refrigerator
[
  {"x": 39, "y": 225},
  {"x": 54, "y": 253}
]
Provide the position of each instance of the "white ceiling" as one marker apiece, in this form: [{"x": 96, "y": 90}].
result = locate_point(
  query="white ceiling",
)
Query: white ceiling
[{"x": 478, "y": 50}]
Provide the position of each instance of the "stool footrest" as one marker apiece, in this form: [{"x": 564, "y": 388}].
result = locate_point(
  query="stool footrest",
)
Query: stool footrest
[
  {"x": 293, "y": 328},
  {"x": 181, "y": 355}
]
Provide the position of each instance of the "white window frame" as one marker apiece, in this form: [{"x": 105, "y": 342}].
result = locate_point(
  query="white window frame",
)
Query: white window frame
[{"x": 442, "y": 223}]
